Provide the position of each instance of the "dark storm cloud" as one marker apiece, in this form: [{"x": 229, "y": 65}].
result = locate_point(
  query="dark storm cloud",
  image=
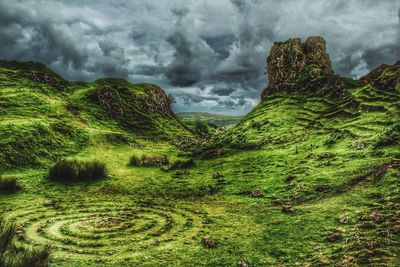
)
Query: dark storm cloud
[
  {"x": 183, "y": 70},
  {"x": 209, "y": 54},
  {"x": 221, "y": 44},
  {"x": 222, "y": 91}
]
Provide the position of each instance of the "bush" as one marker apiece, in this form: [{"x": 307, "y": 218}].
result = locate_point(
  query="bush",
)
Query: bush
[
  {"x": 13, "y": 256},
  {"x": 182, "y": 164},
  {"x": 147, "y": 161},
  {"x": 8, "y": 184},
  {"x": 135, "y": 161},
  {"x": 75, "y": 171}
]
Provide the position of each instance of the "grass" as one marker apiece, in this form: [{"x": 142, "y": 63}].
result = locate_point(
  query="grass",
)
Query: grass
[
  {"x": 298, "y": 149},
  {"x": 75, "y": 171}
]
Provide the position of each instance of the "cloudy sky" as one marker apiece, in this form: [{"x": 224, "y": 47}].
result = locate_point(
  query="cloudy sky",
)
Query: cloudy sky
[{"x": 210, "y": 54}]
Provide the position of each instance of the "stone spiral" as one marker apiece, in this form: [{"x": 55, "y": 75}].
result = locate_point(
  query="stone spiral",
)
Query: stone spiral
[{"x": 105, "y": 228}]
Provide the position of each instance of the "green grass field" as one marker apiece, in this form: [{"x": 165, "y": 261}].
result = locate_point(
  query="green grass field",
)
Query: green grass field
[{"x": 305, "y": 179}]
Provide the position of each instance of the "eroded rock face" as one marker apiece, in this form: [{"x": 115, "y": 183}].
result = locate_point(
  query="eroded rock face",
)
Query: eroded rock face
[
  {"x": 384, "y": 77},
  {"x": 290, "y": 61}
]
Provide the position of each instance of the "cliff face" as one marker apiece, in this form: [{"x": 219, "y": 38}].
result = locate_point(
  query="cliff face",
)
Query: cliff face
[
  {"x": 384, "y": 77},
  {"x": 292, "y": 60}
]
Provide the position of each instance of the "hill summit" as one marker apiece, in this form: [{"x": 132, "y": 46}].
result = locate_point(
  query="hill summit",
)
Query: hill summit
[{"x": 292, "y": 65}]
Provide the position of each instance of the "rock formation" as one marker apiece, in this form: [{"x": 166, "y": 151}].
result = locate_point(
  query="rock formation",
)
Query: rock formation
[
  {"x": 384, "y": 77},
  {"x": 292, "y": 60}
]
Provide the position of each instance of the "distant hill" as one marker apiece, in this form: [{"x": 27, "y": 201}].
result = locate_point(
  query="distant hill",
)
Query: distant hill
[
  {"x": 216, "y": 119},
  {"x": 207, "y": 124}
]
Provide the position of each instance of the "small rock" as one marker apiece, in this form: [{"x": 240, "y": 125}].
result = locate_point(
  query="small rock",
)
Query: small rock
[
  {"x": 324, "y": 262},
  {"x": 289, "y": 178},
  {"x": 256, "y": 193},
  {"x": 243, "y": 263},
  {"x": 209, "y": 242},
  {"x": 396, "y": 229},
  {"x": 287, "y": 208},
  {"x": 217, "y": 175},
  {"x": 335, "y": 237}
]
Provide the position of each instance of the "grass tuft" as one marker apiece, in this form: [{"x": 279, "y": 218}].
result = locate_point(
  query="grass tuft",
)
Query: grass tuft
[
  {"x": 75, "y": 171},
  {"x": 181, "y": 164},
  {"x": 8, "y": 184}
]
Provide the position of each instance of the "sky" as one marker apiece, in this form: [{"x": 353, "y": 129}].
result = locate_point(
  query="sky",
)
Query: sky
[{"x": 209, "y": 54}]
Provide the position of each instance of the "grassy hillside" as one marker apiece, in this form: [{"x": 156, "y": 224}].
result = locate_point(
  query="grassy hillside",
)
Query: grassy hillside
[
  {"x": 309, "y": 178},
  {"x": 45, "y": 117}
]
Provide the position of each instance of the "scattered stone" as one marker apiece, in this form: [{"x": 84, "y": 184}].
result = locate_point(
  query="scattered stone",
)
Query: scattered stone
[
  {"x": 324, "y": 262},
  {"x": 335, "y": 237},
  {"x": 155, "y": 161},
  {"x": 154, "y": 233},
  {"x": 217, "y": 175},
  {"x": 287, "y": 208},
  {"x": 344, "y": 219},
  {"x": 324, "y": 188},
  {"x": 368, "y": 225},
  {"x": 325, "y": 155},
  {"x": 243, "y": 263},
  {"x": 360, "y": 145},
  {"x": 377, "y": 216},
  {"x": 256, "y": 193},
  {"x": 289, "y": 178},
  {"x": 209, "y": 242}
]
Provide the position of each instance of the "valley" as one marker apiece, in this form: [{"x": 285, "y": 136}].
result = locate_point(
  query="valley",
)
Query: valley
[{"x": 310, "y": 177}]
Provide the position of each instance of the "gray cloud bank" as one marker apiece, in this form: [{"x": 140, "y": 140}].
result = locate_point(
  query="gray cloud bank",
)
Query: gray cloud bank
[{"x": 209, "y": 54}]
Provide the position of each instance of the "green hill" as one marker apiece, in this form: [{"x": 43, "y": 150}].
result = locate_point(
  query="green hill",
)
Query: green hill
[{"x": 44, "y": 116}]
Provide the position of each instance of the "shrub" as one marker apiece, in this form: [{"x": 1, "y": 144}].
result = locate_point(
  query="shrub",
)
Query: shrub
[
  {"x": 135, "y": 161},
  {"x": 13, "y": 256},
  {"x": 75, "y": 171},
  {"x": 181, "y": 164},
  {"x": 8, "y": 184},
  {"x": 148, "y": 161}
]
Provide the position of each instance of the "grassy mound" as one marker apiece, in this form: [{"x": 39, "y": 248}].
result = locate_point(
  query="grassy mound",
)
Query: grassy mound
[{"x": 28, "y": 144}]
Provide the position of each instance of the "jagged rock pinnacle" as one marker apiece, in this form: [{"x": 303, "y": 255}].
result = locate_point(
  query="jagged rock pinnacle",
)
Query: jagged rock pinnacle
[{"x": 289, "y": 60}]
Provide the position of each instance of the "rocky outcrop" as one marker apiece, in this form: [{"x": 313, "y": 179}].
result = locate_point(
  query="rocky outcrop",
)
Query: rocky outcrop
[
  {"x": 384, "y": 77},
  {"x": 291, "y": 61},
  {"x": 133, "y": 109}
]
